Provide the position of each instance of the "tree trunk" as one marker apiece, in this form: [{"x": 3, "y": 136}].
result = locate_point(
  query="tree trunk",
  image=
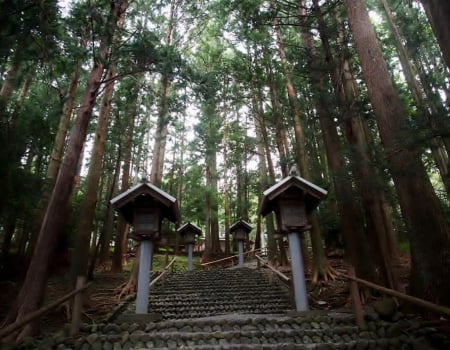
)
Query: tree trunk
[
  {"x": 108, "y": 222},
  {"x": 321, "y": 268},
  {"x": 430, "y": 253},
  {"x": 211, "y": 183},
  {"x": 80, "y": 256},
  {"x": 160, "y": 138},
  {"x": 276, "y": 252},
  {"x": 438, "y": 12},
  {"x": 280, "y": 131},
  {"x": 378, "y": 225},
  {"x": 63, "y": 127},
  {"x": 437, "y": 150},
  {"x": 10, "y": 80},
  {"x": 122, "y": 226},
  {"x": 265, "y": 182},
  {"x": 226, "y": 195},
  {"x": 352, "y": 222},
  {"x": 31, "y": 295}
]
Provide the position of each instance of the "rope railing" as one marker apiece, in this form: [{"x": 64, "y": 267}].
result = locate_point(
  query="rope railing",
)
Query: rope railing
[
  {"x": 357, "y": 304},
  {"x": 38, "y": 313},
  {"x": 228, "y": 258},
  {"x": 405, "y": 297},
  {"x": 163, "y": 272},
  {"x": 272, "y": 268}
]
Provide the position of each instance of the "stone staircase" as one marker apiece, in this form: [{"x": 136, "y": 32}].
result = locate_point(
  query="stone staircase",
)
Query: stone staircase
[
  {"x": 235, "y": 309},
  {"x": 209, "y": 293}
]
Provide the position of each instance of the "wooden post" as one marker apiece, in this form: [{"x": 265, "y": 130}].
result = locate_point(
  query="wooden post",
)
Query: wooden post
[
  {"x": 77, "y": 307},
  {"x": 43, "y": 310},
  {"x": 356, "y": 298}
]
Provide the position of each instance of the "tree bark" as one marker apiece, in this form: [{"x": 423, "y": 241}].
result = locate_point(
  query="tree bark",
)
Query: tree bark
[
  {"x": 352, "y": 222},
  {"x": 122, "y": 226},
  {"x": 437, "y": 150},
  {"x": 430, "y": 252},
  {"x": 31, "y": 295},
  {"x": 80, "y": 256},
  {"x": 108, "y": 222},
  {"x": 438, "y": 12},
  {"x": 321, "y": 268}
]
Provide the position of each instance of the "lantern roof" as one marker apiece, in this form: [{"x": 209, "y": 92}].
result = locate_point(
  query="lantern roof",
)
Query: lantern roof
[
  {"x": 125, "y": 202},
  {"x": 241, "y": 224},
  {"x": 292, "y": 184},
  {"x": 189, "y": 227}
]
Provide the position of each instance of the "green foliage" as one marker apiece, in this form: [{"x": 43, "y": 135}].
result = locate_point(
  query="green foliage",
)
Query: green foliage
[{"x": 30, "y": 27}]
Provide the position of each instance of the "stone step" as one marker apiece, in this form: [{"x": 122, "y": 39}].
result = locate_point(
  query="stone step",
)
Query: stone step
[
  {"x": 210, "y": 300},
  {"x": 208, "y": 293},
  {"x": 327, "y": 331},
  {"x": 184, "y": 291},
  {"x": 228, "y": 285},
  {"x": 381, "y": 344}
]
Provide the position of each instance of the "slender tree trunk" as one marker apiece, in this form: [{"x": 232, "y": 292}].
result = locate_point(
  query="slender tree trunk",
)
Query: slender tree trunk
[
  {"x": 211, "y": 183},
  {"x": 25, "y": 89},
  {"x": 438, "y": 12},
  {"x": 226, "y": 195},
  {"x": 122, "y": 226},
  {"x": 180, "y": 175},
  {"x": 11, "y": 76},
  {"x": 80, "y": 256},
  {"x": 350, "y": 212},
  {"x": 378, "y": 225},
  {"x": 280, "y": 131},
  {"x": 108, "y": 222},
  {"x": 31, "y": 295},
  {"x": 438, "y": 151},
  {"x": 321, "y": 268},
  {"x": 276, "y": 252},
  {"x": 160, "y": 138},
  {"x": 430, "y": 252},
  {"x": 265, "y": 182}
]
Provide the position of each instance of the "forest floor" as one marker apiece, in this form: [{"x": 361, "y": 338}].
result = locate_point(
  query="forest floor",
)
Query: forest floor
[{"x": 104, "y": 295}]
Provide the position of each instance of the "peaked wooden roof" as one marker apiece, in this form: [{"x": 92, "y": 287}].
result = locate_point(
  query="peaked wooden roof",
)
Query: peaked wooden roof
[
  {"x": 313, "y": 193},
  {"x": 242, "y": 223},
  {"x": 124, "y": 202},
  {"x": 197, "y": 230}
]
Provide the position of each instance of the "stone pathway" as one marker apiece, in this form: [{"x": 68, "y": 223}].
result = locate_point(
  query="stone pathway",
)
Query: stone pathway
[{"x": 238, "y": 309}]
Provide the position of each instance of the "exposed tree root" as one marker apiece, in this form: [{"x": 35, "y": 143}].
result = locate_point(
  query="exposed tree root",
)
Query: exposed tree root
[
  {"x": 66, "y": 308},
  {"x": 127, "y": 288},
  {"x": 325, "y": 272}
]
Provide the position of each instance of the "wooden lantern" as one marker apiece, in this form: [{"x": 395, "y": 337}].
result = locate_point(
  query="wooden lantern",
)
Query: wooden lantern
[
  {"x": 292, "y": 199},
  {"x": 189, "y": 232},
  {"x": 240, "y": 230},
  {"x": 144, "y": 206}
]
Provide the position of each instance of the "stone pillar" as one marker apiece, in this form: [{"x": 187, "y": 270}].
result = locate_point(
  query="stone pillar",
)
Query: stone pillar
[
  {"x": 241, "y": 253},
  {"x": 145, "y": 258},
  {"x": 298, "y": 274},
  {"x": 190, "y": 253}
]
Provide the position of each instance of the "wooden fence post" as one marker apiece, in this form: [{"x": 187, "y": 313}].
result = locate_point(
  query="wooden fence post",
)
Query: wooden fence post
[
  {"x": 77, "y": 307},
  {"x": 356, "y": 298}
]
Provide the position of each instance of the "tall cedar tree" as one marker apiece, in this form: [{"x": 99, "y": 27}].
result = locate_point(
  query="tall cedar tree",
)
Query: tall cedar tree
[
  {"x": 31, "y": 295},
  {"x": 427, "y": 224},
  {"x": 438, "y": 12}
]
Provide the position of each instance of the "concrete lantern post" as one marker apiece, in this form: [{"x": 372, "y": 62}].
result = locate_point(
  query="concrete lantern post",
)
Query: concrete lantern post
[
  {"x": 240, "y": 230},
  {"x": 188, "y": 231},
  {"x": 292, "y": 199},
  {"x": 144, "y": 206}
]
